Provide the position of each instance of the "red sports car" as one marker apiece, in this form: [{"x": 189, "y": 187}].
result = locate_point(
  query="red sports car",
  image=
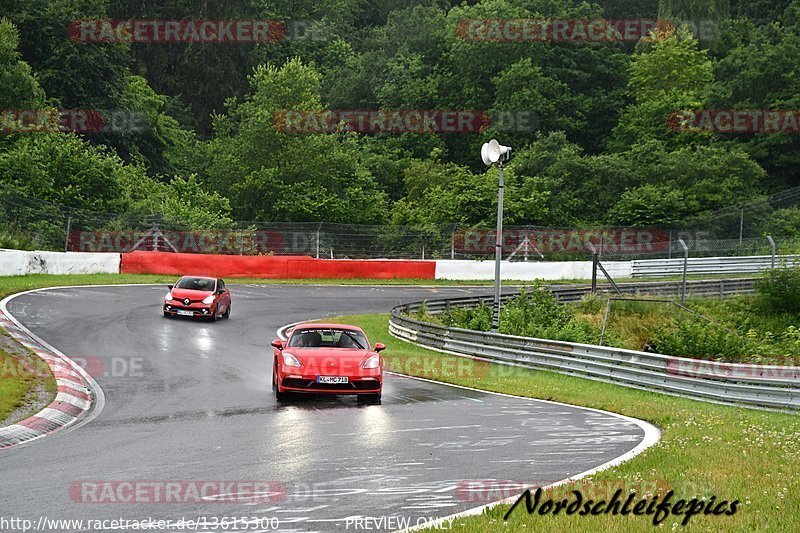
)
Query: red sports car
[
  {"x": 197, "y": 296},
  {"x": 328, "y": 359}
]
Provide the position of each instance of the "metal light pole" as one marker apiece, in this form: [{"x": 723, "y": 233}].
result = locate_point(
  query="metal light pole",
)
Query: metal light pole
[
  {"x": 498, "y": 253},
  {"x": 494, "y": 152}
]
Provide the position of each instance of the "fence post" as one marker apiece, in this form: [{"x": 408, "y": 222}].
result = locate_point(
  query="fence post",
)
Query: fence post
[
  {"x": 669, "y": 246},
  {"x": 69, "y": 228},
  {"x": 453, "y": 242},
  {"x": 773, "y": 248},
  {"x": 594, "y": 267},
  {"x": 157, "y": 230},
  {"x": 741, "y": 224},
  {"x": 318, "y": 229},
  {"x": 685, "y": 269}
]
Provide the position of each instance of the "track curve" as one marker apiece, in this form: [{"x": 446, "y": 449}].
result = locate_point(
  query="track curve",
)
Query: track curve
[{"x": 192, "y": 401}]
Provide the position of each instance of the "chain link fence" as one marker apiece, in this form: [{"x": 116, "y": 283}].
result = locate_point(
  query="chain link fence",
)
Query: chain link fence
[{"x": 31, "y": 223}]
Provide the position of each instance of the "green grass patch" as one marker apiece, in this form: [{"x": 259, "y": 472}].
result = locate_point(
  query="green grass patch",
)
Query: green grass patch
[
  {"x": 13, "y": 284},
  {"x": 26, "y": 383},
  {"x": 15, "y": 384},
  {"x": 705, "y": 450}
]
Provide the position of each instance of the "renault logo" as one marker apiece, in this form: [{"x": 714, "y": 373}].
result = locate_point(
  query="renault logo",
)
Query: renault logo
[{"x": 186, "y": 301}]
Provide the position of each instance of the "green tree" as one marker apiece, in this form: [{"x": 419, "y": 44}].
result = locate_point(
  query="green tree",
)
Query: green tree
[
  {"x": 271, "y": 174},
  {"x": 147, "y": 134},
  {"x": 669, "y": 61},
  {"x": 694, "y": 9},
  {"x": 19, "y": 88},
  {"x": 75, "y": 74},
  {"x": 758, "y": 71},
  {"x": 649, "y": 206},
  {"x": 62, "y": 168},
  {"x": 445, "y": 193},
  {"x": 669, "y": 74}
]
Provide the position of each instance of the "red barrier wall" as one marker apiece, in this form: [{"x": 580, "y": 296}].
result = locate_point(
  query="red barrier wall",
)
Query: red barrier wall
[{"x": 273, "y": 267}]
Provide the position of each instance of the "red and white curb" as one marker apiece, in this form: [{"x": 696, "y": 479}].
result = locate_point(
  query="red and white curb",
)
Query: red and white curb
[{"x": 77, "y": 393}]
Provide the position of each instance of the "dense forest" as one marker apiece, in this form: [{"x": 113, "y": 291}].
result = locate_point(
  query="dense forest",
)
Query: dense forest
[{"x": 589, "y": 121}]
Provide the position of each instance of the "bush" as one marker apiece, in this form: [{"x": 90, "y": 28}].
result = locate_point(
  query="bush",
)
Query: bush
[
  {"x": 696, "y": 338},
  {"x": 533, "y": 313},
  {"x": 14, "y": 238},
  {"x": 478, "y": 318},
  {"x": 532, "y": 310},
  {"x": 780, "y": 289}
]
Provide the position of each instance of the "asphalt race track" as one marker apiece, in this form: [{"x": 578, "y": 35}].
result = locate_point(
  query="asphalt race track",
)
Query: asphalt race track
[{"x": 189, "y": 400}]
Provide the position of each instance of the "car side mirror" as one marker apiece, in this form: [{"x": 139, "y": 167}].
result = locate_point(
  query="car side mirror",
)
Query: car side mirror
[
  {"x": 221, "y": 291},
  {"x": 277, "y": 344},
  {"x": 379, "y": 346},
  {"x": 170, "y": 286}
]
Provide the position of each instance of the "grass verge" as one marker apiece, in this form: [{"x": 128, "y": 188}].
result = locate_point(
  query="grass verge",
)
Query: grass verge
[
  {"x": 26, "y": 383},
  {"x": 13, "y": 284},
  {"x": 706, "y": 449}
]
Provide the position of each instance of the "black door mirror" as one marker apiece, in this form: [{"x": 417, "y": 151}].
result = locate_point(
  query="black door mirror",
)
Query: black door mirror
[{"x": 170, "y": 286}]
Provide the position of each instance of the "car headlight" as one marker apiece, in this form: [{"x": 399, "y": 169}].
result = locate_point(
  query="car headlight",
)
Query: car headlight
[
  {"x": 208, "y": 300},
  {"x": 290, "y": 360},
  {"x": 168, "y": 296},
  {"x": 372, "y": 362}
]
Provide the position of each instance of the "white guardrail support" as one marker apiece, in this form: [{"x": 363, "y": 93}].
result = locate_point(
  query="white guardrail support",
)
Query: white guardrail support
[{"x": 776, "y": 387}]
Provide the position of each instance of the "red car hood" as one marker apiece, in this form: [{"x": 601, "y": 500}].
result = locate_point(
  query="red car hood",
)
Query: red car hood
[
  {"x": 331, "y": 359},
  {"x": 180, "y": 294}
]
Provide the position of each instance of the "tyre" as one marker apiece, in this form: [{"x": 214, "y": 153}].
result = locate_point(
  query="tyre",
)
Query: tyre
[
  {"x": 227, "y": 313},
  {"x": 280, "y": 396},
  {"x": 167, "y": 315},
  {"x": 214, "y": 316}
]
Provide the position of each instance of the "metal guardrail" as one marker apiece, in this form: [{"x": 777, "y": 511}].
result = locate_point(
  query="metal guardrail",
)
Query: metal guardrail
[
  {"x": 731, "y": 383},
  {"x": 654, "y": 268}
]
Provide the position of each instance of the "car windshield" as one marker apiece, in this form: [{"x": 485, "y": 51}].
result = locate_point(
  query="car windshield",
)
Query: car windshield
[
  {"x": 197, "y": 284},
  {"x": 329, "y": 338}
]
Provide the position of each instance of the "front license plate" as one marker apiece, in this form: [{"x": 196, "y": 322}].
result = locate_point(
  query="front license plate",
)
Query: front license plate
[
  {"x": 331, "y": 379},
  {"x": 185, "y": 313}
]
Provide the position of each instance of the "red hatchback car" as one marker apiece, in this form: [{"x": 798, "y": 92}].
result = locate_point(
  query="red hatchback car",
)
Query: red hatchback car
[
  {"x": 328, "y": 359},
  {"x": 198, "y": 296}
]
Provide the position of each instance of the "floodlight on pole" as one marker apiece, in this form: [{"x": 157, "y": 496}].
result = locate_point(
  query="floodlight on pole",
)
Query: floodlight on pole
[{"x": 491, "y": 153}]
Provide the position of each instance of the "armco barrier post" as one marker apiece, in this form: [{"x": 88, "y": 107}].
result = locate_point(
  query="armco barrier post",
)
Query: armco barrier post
[
  {"x": 773, "y": 248},
  {"x": 685, "y": 269}
]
